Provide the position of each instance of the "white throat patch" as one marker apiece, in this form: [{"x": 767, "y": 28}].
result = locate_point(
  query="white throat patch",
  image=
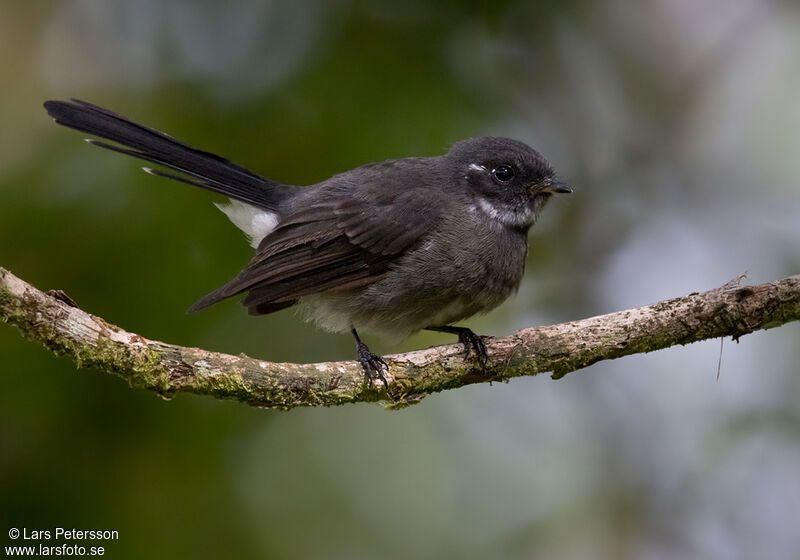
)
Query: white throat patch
[{"x": 514, "y": 217}]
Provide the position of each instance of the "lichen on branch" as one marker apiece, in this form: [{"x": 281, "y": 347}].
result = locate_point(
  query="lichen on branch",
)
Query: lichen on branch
[{"x": 53, "y": 320}]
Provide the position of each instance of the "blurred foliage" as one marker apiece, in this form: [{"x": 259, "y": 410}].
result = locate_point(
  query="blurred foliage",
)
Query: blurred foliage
[{"x": 678, "y": 123}]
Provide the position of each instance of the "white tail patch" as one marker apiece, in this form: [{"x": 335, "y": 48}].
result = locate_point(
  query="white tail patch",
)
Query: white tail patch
[{"x": 255, "y": 222}]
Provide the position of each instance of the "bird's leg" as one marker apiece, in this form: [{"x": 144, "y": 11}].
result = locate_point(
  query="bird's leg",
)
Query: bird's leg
[
  {"x": 469, "y": 339},
  {"x": 374, "y": 366}
]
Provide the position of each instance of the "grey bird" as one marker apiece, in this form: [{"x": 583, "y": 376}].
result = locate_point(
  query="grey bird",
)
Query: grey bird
[{"x": 390, "y": 247}]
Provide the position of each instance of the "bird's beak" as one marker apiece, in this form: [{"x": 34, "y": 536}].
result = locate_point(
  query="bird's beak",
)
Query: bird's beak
[{"x": 553, "y": 186}]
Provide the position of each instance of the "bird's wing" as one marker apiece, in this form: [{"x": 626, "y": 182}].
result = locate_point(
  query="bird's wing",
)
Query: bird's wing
[{"x": 336, "y": 244}]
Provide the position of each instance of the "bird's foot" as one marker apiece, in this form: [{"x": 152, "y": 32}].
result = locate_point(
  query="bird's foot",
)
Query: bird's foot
[
  {"x": 374, "y": 366},
  {"x": 470, "y": 340}
]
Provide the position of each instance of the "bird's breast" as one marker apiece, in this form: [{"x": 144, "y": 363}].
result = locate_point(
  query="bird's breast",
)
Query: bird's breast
[{"x": 466, "y": 266}]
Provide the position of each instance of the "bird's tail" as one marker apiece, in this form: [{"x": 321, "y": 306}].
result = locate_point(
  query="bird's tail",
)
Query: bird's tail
[{"x": 196, "y": 167}]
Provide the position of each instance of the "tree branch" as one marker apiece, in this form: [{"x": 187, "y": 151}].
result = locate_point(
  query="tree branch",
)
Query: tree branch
[{"x": 53, "y": 319}]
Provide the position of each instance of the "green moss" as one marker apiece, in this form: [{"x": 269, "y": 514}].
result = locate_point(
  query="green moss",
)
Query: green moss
[
  {"x": 224, "y": 385},
  {"x": 5, "y": 300},
  {"x": 142, "y": 368}
]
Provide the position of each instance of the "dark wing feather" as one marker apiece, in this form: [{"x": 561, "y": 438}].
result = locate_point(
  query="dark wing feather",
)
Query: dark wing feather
[
  {"x": 199, "y": 168},
  {"x": 341, "y": 243}
]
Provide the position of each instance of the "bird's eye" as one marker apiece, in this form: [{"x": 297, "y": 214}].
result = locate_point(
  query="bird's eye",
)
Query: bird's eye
[{"x": 503, "y": 173}]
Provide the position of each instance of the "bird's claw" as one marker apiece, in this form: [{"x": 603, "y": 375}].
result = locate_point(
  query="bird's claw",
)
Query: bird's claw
[
  {"x": 472, "y": 341},
  {"x": 374, "y": 366}
]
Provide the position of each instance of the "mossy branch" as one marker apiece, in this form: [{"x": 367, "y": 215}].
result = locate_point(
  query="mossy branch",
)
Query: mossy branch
[{"x": 53, "y": 319}]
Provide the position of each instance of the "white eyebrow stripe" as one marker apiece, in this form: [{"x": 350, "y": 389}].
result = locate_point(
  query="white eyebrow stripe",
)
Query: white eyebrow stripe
[{"x": 476, "y": 167}]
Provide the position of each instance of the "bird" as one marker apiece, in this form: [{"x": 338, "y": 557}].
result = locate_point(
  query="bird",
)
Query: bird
[{"x": 390, "y": 248}]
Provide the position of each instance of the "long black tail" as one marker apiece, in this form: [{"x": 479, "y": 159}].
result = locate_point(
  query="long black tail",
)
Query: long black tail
[{"x": 199, "y": 168}]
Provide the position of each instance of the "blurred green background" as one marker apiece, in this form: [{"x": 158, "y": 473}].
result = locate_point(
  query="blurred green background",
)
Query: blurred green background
[{"x": 678, "y": 123}]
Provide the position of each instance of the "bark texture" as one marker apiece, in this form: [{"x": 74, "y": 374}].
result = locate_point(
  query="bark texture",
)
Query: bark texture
[{"x": 52, "y": 319}]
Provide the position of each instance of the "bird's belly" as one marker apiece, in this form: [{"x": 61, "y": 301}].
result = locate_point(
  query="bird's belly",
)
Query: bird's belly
[{"x": 432, "y": 285}]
